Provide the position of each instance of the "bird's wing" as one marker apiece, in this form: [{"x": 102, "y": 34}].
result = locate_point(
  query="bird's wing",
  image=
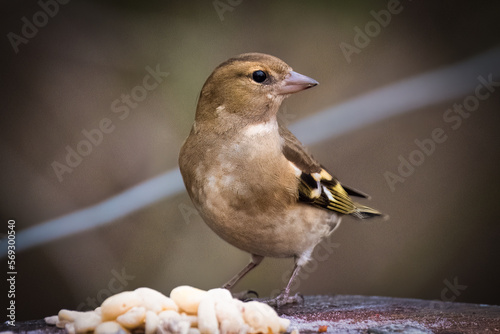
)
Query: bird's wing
[
  {"x": 317, "y": 186},
  {"x": 294, "y": 151}
]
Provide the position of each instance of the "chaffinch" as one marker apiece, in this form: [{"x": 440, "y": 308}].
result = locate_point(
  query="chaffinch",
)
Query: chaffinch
[{"x": 250, "y": 178}]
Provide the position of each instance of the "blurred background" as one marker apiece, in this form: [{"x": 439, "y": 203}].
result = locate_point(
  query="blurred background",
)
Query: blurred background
[{"x": 72, "y": 74}]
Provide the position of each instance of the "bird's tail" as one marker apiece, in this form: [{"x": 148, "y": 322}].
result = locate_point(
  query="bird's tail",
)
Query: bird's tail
[{"x": 365, "y": 212}]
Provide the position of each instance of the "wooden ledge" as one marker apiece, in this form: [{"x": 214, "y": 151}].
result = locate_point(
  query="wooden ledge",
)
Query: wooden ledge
[{"x": 361, "y": 314}]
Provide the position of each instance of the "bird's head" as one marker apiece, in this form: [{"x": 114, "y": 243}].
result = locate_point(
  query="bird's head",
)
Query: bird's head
[{"x": 250, "y": 87}]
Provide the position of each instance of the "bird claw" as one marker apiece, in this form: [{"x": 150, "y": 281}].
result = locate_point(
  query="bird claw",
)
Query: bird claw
[
  {"x": 246, "y": 295},
  {"x": 284, "y": 299}
]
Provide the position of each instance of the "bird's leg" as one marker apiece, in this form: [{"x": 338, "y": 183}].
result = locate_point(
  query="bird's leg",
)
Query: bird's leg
[
  {"x": 254, "y": 262},
  {"x": 284, "y": 297}
]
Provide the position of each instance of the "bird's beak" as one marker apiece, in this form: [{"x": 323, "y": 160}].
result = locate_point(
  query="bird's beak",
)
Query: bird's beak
[{"x": 295, "y": 82}]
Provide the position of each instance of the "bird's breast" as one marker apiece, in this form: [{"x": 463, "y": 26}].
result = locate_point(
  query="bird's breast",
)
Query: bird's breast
[{"x": 246, "y": 173}]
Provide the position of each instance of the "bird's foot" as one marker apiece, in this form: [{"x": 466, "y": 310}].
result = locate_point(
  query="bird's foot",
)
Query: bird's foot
[
  {"x": 246, "y": 295},
  {"x": 283, "y": 299}
]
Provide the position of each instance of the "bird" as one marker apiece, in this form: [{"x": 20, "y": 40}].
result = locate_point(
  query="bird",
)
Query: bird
[{"x": 252, "y": 181}]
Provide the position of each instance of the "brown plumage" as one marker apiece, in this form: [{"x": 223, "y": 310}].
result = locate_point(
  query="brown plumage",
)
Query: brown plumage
[{"x": 252, "y": 181}]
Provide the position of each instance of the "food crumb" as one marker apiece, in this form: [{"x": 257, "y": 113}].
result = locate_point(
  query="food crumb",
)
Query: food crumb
[{"x": 187, "y": 310}]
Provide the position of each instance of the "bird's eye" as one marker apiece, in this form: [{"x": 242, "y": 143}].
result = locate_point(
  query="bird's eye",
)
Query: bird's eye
[{"x": 259, "y": 76}]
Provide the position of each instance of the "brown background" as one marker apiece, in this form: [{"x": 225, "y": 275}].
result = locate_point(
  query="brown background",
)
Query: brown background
[{"x": 444, "y": 217}]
